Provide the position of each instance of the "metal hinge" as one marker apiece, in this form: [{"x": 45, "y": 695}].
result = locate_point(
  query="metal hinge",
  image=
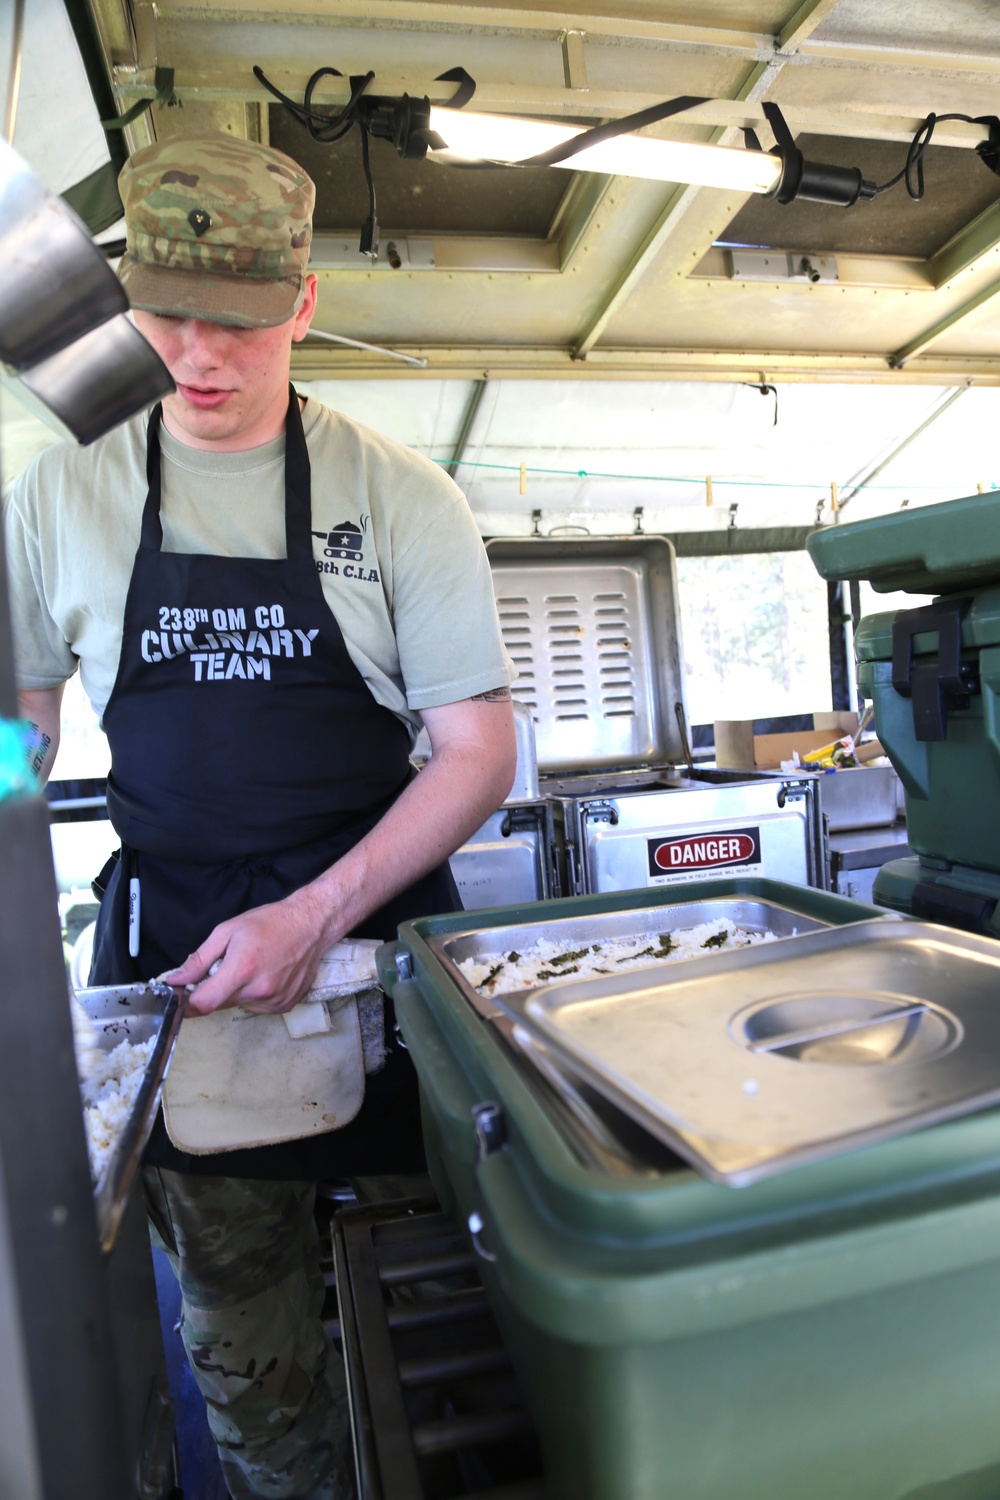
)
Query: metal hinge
[{"x": 600, "y": 811}]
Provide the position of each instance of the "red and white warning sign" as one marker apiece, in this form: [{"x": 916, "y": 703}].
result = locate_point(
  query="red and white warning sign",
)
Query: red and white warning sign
[{"x": 698, "y": 856}]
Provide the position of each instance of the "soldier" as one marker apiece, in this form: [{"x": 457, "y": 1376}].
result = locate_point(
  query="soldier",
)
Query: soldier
[{"x": 260, "y": 780}]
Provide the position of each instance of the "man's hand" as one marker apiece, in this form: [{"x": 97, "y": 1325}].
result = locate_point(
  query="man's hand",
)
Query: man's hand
[
  {"x": 268, "y": 957},
  {"x": 264, "y": 960}
]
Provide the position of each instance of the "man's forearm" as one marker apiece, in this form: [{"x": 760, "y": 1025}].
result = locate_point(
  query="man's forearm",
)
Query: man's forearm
[
  {"x": 452, "y": 797},
  {"x": 41, "y": 710},
  {"x": 270, "y": 954}
]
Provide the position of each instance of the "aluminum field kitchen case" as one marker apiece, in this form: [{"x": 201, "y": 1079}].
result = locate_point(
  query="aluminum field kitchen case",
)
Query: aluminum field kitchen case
[
  {"x": 593, "y": 627},
  {"x": 825, "y": 1332}
]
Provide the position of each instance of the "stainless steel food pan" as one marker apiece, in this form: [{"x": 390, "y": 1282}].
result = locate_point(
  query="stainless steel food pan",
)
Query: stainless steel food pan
[
  {"x": 134, "y": 1013},
  {"x": 593, "y": 627},
  {"x": 780, "y": 1054},
  {"x": 755, "y": 914}
]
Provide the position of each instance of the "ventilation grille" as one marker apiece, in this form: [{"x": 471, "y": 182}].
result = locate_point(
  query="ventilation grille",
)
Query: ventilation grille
[{"x": 574, "y": 655}]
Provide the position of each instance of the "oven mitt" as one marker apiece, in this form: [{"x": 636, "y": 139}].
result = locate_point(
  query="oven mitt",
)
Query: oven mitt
[
  {"x": 344, "y": 970},
  {"x": 238, "y": 1079}
]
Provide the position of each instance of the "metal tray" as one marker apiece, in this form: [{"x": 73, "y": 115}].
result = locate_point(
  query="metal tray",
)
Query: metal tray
[
  {"x": 592, "y": 625},
  {"x": 756, "y": 915},
  {"x": 773, "y": 1056},
  {"x": 136, "y": 1013}
]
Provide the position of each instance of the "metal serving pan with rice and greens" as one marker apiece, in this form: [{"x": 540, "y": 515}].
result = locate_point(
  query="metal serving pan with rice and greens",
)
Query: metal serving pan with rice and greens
[{"x": 124, "y": 1036}]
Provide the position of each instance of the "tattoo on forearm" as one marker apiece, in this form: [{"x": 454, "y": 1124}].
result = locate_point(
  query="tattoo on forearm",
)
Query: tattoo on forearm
[
  {"x": 495, "y": 695},
  {"x": 42, "y": 744}
]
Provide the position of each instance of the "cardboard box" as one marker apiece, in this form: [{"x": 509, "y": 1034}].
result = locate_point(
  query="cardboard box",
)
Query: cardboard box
[
  {"x": 738, "y": 748},
  {"x": 769, "y": 750}
]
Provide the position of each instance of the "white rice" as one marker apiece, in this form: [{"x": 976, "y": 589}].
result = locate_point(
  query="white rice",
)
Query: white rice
[
  {"x": 518, "y": 969},
  {"x": 109, "y": 1082}
]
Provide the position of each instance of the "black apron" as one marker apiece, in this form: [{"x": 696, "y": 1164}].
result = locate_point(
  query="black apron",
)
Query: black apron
[{"x": 247, "y": 755}]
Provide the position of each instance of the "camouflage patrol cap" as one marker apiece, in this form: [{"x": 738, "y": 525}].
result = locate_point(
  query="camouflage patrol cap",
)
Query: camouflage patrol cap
[{"x": 216, "y": 228}]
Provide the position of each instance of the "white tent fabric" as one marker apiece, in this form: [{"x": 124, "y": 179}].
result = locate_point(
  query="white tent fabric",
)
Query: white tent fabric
[{"x": 56, "y": 128}]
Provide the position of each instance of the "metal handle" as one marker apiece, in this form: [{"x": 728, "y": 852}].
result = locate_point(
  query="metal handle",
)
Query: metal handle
[{"x": 476, "y": 1228}]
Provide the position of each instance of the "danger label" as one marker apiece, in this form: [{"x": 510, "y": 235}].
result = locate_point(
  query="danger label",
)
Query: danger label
[{"x": 687, "y": 858}]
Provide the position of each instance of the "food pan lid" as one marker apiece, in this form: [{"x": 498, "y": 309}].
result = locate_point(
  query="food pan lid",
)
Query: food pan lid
[
  {"x": 786, "y": 1053},
  {"x": 593, "y": 627}
]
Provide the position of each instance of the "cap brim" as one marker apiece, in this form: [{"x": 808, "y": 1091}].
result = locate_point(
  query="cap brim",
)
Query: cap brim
[{"x": 240, "y": 300}]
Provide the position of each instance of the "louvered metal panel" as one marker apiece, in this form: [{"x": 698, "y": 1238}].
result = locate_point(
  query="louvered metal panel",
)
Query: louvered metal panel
[{"x": 592, "y": 626}]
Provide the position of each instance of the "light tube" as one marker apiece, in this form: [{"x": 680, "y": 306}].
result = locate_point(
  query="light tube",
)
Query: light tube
[{"x": 502, "y": 138}]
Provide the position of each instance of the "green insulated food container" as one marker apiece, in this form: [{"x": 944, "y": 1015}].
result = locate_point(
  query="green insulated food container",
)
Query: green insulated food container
[
  {"x": 933, "y": 672},
  {"x": 934, "y": 675},
  {"x": 936, "y": 549},
  {"x": 831, "y": 1331}
]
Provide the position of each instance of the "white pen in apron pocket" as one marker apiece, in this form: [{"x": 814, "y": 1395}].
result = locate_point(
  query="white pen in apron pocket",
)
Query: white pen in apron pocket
[{"x": 133, "y": 904}]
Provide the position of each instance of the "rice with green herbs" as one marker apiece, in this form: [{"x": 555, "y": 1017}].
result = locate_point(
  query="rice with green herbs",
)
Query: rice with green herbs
[{"x": 546, "y": 960}]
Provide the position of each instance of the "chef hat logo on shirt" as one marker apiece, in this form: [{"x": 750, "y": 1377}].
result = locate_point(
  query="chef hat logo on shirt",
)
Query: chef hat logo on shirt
[{"x": 345, "y": 540}]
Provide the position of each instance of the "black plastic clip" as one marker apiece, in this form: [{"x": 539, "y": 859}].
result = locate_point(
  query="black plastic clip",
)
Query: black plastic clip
[
  {"x": 936, "y": 686},
  {"x": 491, "y": 1133}
]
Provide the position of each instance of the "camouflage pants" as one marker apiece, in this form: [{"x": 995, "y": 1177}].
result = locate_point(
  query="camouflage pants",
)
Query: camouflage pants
[{"x": 246, "y": 1256}]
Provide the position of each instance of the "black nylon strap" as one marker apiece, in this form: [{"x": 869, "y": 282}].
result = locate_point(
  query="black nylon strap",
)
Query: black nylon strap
[
  {"x": 625, "y": 126},
  {"x": 298, "y": 485},
  {"x": 151, "y": 535}
]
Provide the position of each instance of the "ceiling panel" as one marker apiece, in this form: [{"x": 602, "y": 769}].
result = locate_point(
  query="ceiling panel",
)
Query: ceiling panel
[
  {"x": 957, "y": 187},
  {"x": 560, "y": 275}
]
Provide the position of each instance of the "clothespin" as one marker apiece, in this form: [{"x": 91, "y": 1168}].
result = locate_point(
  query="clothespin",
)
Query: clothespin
[
  {"x": 708, "y": 489},
  {"x": 834, "y": 497},
  {"x": 524, "y": 479},
  {"x": 637, "y": 516}
]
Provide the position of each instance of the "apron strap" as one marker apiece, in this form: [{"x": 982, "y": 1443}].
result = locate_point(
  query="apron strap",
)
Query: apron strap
[
  {"x": 151, "y": 534},
  {"x": 298, "y": 486}
]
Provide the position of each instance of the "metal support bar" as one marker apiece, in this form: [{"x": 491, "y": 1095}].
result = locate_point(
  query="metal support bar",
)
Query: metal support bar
[
  {"x": 866, "y": 475},
  {"x": 426, "y": 1268},
  {"x": 469, "y": 1431},
  {"x": 397, "y": 1468},
  {"x": 471, "y": 411},
  {"x": 464, "y": 1305},
  {"x": 453, "y": 1366},
  {"x": 803, "y": 23},
  {"x": 938, "y": 330}
]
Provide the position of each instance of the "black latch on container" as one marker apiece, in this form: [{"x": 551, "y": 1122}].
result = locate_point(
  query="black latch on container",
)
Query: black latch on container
[
  {"x": 491, "y": 1133},
  {"x": 956, "y": 908},
  {"x": 938, "y": 685}
]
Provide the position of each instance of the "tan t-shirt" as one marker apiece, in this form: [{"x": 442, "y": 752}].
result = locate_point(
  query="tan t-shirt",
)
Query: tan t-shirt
[{"x": 402, "y": 564}]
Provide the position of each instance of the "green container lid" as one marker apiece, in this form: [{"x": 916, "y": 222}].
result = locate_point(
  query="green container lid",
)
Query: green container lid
[{"x": 936, "y": 549}]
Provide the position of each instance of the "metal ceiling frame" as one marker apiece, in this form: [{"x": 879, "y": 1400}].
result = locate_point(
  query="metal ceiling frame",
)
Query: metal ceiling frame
[{"x": 663, "y": 239}]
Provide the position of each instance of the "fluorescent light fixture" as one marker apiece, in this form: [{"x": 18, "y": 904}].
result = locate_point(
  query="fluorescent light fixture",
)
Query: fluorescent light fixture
[
  {"x": 452, "y": 134},
  {"x": 509, "y": 139}
]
